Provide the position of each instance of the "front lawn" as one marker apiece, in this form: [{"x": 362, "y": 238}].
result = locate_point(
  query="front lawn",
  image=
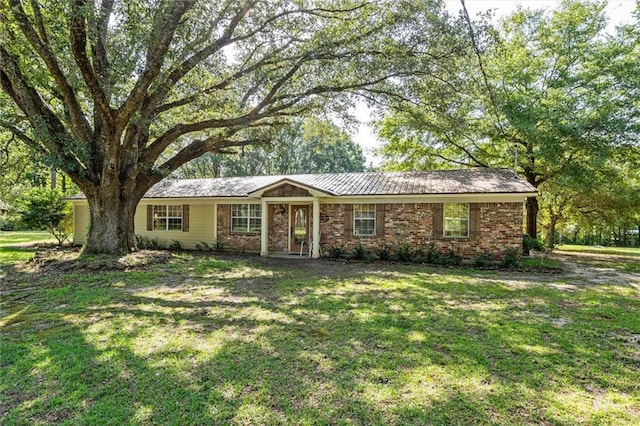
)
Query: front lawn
[
  {"x": 16, "y": 237},
  {"x": 625, "y": 251},
  {"x": 191, "y": 339},
  {"x": 10, "y": 241}
]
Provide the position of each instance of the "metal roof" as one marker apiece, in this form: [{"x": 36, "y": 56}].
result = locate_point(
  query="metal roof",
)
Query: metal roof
[{"x": 465, "y": 181}]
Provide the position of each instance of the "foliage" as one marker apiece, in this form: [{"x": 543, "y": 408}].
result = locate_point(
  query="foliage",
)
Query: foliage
[
  {"x": 550, "y": 85},
  {"x": 451, "y": 258},
  {"x": 530, "y": 243},
  {"x": 511, "y": 258},
  {"x": 336, "y": 252},
  {"x": 483, "y": 260},
  {"x": 145, "y": 243},
  {"x": 305, "y": 146},
  {"x": 175, "y": 245},
  {"x": 203, "y": 246},
  {"x": 359, "y": 253},
  {"x": 120, "y": 95},
  {"x": 404, "y": 252},
  {"x": 46, "y": 209},
  {"x": 383, "y": 252}
]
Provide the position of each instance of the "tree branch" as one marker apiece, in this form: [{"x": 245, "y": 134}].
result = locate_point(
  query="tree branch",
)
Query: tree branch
[
  {"x": 186, "y": 66},
  {"x": 52, "y": 134},
  {"x": 200, "y": 147},
  {"x": 79, "y": 125},
  {"x": 100, "y": 26},
  {"x": 163, "y": 32},
  {"x": 78, "y": 38}
]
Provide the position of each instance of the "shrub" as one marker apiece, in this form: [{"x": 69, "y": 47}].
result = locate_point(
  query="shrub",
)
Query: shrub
[
  {"x": 217, "y": 246},
  {"x": 530, "y": 243},
  {"x": 511, "y": 258},
  {"x": 175, "y": 245},
  {"x": 44, "y": 208},
  {"x": 483, "y": 260},
  {"x": 433, "y": 256},
  {"x": 202, "y": 246},
  {"x": 451, "y": 259},
  {"x": 384, "y": 252},
  {"x": 336, "y": 252},
  {"x": 420, "y": 258},
  {"x": 404, "y": 252},
  {"x": 145, "y": 243},
  {"x": 359, "y": 253}
]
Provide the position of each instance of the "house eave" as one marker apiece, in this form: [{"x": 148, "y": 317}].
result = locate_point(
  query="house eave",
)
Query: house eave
[{"x": 315, "y": 192}]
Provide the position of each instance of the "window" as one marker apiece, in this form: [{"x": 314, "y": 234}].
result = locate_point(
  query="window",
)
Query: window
[
  {"x": 246, "y": 217},
  {"x": 456, "y": 220},
  {"x": 364, "y": 219},
  {"x": 167, "y": 217}
]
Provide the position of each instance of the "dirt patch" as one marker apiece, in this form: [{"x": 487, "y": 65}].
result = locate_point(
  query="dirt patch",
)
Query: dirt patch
[
  {"x": 597, "y": 269},
  {"x": 67, "y": 259}
]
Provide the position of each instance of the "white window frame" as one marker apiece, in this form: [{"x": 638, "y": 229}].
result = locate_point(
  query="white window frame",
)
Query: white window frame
[
  {"x": 168, "y": 216},
  {"x": 455, "y": 220},
  {"x": 253, "y": 215},
  {"x": 359, "y": 217}
]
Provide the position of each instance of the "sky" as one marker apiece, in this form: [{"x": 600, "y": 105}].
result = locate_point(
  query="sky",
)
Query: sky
[{"x": 618, "y": 11}]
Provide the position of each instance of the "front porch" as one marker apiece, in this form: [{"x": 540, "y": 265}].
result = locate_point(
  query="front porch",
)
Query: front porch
[{"x": 290, "y": 227}]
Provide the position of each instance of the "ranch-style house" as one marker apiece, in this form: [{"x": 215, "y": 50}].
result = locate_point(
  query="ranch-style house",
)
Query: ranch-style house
[{"x": 469, "y": 211}]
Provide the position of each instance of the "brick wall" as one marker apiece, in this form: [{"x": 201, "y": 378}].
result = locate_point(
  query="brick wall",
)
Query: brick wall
[
  {"x": 240, "y": 241},
  {"x": 499, "y": 227},
  {"x": 278, "y": 227}
]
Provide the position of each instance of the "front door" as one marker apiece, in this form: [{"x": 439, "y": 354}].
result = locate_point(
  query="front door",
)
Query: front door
[{"x": 299, "y": 228}]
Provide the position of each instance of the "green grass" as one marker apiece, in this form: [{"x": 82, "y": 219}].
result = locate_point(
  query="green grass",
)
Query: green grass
[
  {"x": 11, "y": 237},
  {"x": 11, "y": 254},
  {"x": 626, "y": 251},
  {"x": 202, "y": 340}
]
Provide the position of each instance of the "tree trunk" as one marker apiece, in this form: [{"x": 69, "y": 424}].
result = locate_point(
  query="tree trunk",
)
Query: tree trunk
[
  {"x": 111, "y": 228},
  {"x": 532, "y": 217},
  {"x": 553, "y": 220}
]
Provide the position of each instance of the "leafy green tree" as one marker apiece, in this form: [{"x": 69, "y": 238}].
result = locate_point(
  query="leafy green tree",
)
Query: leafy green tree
[
  {"x": 43, "y": 208},
  {"x": 121, "y": 93},
  {"x": 306, "y": 146},
  {"x": 542, "y": 88}
]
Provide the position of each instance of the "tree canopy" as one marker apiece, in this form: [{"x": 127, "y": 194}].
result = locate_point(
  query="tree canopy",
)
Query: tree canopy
[
  {"x": 550, "y": 94},
  {"x": 120, "y": 93},
  {"x": 306, "y": 146}
]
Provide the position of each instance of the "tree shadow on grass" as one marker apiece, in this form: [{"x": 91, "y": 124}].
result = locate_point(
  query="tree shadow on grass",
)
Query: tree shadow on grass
[{"x": 282, "y": 348}]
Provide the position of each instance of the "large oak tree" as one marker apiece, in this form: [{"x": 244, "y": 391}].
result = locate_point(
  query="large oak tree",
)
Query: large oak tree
[{"x": 120, "y": 93}]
